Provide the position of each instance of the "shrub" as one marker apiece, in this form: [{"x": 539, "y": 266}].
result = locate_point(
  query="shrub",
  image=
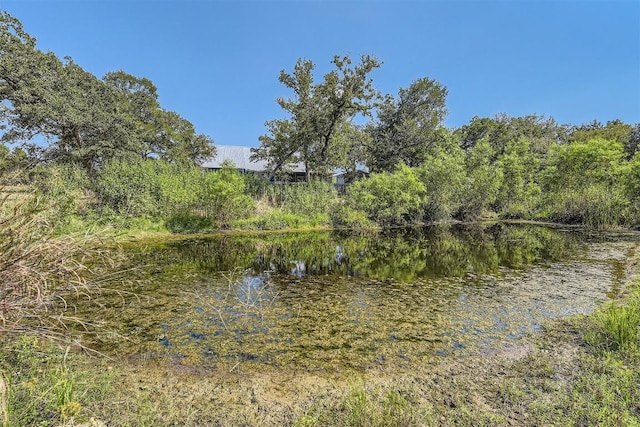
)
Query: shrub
[
  {"x": 631, "y": 185},
  {"x": 222, "y": 198},
  {"x": 65, "y": 188},
  {"x": 444, "y": 177},
  {"x": 482, "y": 185},
  {"x": 597, "y": 206},
  {"x": 131, "y": 187},
  {"x": 348, "y": 217},
  {"x": 390, "y": 198},
  {"x": 302, "y": 198}
]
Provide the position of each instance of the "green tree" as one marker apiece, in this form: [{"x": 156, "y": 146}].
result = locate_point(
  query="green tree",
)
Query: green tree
[
  {"x": 519, "y": 191},
  {"x": 177, "y": 141},
  {"x": 408, "y": 128},
  {"x": 139, "y": 100},
  {"x": 483, "y": 181},
  {"x": 316, "y": 113},
  {"x": 350, "y": 154},
  {"x": 84, "y": 117},
  {"x": 583, "y": 183},
  {"x": 615, "y": 130},
  {"x": 42, "y": 95},
  {"x": 541, "y": 132},
  {"x": 583, "y": 163},
  {"x": 164, "y": 134},
  {"x": 390, "y": 198},
  {"x": 85, "y": 120},
  {"x": 444, "y": 176}
]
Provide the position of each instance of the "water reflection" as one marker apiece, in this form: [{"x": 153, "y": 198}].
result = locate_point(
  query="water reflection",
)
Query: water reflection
[
  {"x": 403, "y": 255},
  {"x": 328, "y": 300}
]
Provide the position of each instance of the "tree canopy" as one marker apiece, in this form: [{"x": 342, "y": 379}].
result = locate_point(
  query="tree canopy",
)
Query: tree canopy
[
  {"x": 406, "y": 129},
  {"x": 84, "y": 119},
  {"x": 317, "y": 111}
]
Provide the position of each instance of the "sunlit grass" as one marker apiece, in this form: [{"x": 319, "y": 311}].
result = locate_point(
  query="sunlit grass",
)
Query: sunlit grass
[{"x": 616, "y": 327}]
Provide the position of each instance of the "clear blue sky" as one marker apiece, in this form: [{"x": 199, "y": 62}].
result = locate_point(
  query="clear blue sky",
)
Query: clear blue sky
[{"x": 216, "y": 63}]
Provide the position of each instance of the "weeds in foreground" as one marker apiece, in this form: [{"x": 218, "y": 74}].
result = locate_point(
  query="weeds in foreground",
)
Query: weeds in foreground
[
  {"x": 41, "y": 272},
  {"x": 43, "y": 389},
  {"x": 616, "y": 327}
]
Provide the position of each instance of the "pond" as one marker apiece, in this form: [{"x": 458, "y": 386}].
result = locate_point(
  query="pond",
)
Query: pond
[{"x": 339, "y": 300}]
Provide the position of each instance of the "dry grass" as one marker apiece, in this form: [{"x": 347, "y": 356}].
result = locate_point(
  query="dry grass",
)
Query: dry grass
[{"x": 39, "y": 269}]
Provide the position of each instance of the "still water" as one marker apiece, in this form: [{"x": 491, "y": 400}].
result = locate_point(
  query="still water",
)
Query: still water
[{"x": 333, "y": 300}]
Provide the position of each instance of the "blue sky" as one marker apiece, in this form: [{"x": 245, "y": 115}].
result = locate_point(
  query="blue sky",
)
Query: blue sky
[{"x": 216, "y": 63}]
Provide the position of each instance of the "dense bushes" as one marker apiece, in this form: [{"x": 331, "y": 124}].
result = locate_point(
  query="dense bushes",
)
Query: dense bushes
[
  {"x": 390, "y": 198},
  {"x": 444, "y": 177},
  {"x": 147, "y": 187},
  {"x": 585, "y": 182},
  {"x": 160, "y": 189},
  {"x": 291, "y": 205}
]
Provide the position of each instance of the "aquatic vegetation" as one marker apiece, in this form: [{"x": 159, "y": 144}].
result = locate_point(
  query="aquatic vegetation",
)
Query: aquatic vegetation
[{"x": 313, "y": 329}]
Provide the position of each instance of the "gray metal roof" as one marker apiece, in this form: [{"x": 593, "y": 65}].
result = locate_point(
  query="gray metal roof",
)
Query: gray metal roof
[{"x": 241, "y": 157}]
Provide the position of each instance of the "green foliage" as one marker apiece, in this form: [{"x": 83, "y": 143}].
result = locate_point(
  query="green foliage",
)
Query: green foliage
[
  {"x": 615, "y": 130},
  {"x": 277, "y": 219},
  {"x": 302, "y": 198},
  {"x": 630, "y": 181},
  {"x": 222, "y": 198},
  {"x": 181, "y": 193},
  {"x": 541, "y": 132},
  {"x": 130, "y": 188},
  {"x": 616, "y": 327},
  {"x": 483, "y": 182},
  {"x": 13, "y": 164},
  {"x": 65, "y": 187},
  {"x": 519, "y": 193},
  {"x": 348, "y": 217},
  {"x": 589, "y": 183},
  {"x": 444, "y": 177},
  {"x": 583, "y": 163},
  {"x": 85, "y": 120},
  {"x": 408, "y": 128},
  {"x": 255, "y": 185},
  {"x": 597, "y": 206},
  {"x": 148, "y": 187},
  {"x": 390, "y": 198},
  {"x": 317, "y": 112}
]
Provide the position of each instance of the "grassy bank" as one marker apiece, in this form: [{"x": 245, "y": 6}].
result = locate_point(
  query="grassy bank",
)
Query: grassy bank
[{"x": 582, "y": 370}]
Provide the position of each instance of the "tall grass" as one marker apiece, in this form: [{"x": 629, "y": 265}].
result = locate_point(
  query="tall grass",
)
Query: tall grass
[
  {"x": 596, "y": 206},
  {"x": 616, "y": 327},
  {"x": 301, "y": 198},
  {"x": 292, "y": 205},
  {"x": 39, "y": 269}
]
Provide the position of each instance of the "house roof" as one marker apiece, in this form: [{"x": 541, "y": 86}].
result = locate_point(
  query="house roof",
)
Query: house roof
[{"x": 241, "y": 157}]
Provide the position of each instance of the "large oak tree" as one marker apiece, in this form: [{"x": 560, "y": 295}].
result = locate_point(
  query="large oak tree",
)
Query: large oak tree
[{"x": 316, "y": 114}]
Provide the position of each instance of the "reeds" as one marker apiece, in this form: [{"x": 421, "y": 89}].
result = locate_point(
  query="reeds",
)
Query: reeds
[{"x": 38, "y": 268}]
